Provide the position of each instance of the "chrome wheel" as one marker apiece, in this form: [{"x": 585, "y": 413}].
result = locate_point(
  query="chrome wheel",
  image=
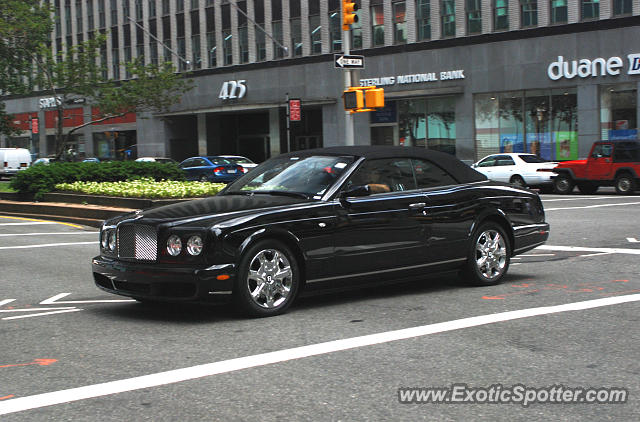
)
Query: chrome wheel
[
  {"x": 269, "y": 279},
  {"x": 491, "y": 254}
]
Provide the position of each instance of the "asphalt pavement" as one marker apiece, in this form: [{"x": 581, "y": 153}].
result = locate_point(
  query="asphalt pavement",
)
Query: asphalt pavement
[{"x": 567, "y": 314}]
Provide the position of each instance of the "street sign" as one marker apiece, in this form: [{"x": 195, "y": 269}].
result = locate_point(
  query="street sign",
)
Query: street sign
[
  {"x": 344, "y": 61},
  {"x": 295, "y": 110}
]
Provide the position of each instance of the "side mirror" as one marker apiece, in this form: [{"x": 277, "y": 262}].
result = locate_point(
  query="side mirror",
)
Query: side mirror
[
  {"x": 474, "y": 165},
  {"x": 355, "y": 191}
]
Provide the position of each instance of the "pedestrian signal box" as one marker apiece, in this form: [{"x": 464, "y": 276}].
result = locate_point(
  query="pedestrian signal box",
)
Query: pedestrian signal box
[{"x": 358, "y": 99}]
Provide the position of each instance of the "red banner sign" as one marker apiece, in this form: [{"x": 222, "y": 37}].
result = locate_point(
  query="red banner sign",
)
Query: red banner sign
[{"x": 295, "y": 110}]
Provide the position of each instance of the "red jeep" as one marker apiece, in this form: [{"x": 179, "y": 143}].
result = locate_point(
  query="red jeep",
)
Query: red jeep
[{"x": 610, "y": 163}]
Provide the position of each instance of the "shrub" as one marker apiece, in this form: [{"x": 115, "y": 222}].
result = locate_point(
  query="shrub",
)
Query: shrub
[
  {"x": 145, "y": 188},
  {"x": 40, "y": 179}
]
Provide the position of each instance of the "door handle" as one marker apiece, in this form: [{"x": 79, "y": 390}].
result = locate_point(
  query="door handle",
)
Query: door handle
[{"x": 417, "y": 206}]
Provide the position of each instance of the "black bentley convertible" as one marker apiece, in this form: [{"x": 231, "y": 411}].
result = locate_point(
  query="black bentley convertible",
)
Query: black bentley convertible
[{"x": 317, "y": 219}]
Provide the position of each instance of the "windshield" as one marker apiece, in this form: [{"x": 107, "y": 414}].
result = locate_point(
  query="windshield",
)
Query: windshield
[
  {"x": 303, "y": 176},
  {"x": 239, "y": 160}
]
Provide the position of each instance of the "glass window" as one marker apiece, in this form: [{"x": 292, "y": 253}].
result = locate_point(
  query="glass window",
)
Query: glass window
[
  {"x": 428, "y": 123},
  {"x": 90, "y": 22},
  {"x": 488, "y": 162},
  {"x": 430, "y": 175},
  {"x": 79, "y": 19},
  {"x": 423, "y": 19},
  {"x": 559, "y": 11},
  {"x": 399, "y": 22},
  {"x": 166, "y": 7},
  {"x": 500, "y": 15},
  {"x": 356, "y": 32},
  {"x": 622, "y": 7},
  {"x": 211, "y": 49},
  {"x": 179, "y": 5},
  {"x": 276, "y": 29},
  {"x": 541, "y": 122},
  {"x": 529, "y": 13},
  {"x": 474, "y": 17},
  {"x": 335, "y": 25},
  {"x": 152, "y": 8},
  {"x": 448, "y": 15},
  {"x": 384, "y": 175},
  {"x": 196, "y": 59},
  {"x": 315, "y": 34},
  {"x": 618, "y": 112},
  {"x": 138, "y": 6},
  {"x": 590, "y": 9},
  {"x": 296, "y": 36},
  {"x": 101, "y": 14},
  {"x": 377, "y": 22}
]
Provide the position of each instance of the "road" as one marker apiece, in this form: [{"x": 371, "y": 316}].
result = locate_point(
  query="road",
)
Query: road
[{"x": 567, "y": 314}]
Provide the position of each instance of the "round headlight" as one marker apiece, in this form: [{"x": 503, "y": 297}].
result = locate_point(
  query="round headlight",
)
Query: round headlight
[
  {"x": 104, "y": 239},
  {"x": 112, "y": 240},
  {"x": 174, "y": 245},
  {"x": 194, "y": 245}
]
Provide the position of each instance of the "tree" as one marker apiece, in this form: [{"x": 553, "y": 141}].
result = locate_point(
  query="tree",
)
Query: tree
[
  {"x": 76, "y": 74},
  {"x": 24, "y": 26}
]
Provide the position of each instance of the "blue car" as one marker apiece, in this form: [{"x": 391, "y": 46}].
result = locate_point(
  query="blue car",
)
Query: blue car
[{"x": 211, "y": 169}]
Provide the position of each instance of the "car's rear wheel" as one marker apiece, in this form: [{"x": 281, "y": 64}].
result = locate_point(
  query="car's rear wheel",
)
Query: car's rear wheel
[
  {"x": 563, "y": 184},
  {"x": 489, "y": 255},
  {"x": 518, "y": 181},
  {"x": 268, "y": 279},
  {"x": 587, "y": 188},
  {"x": 625, "y": 184}
]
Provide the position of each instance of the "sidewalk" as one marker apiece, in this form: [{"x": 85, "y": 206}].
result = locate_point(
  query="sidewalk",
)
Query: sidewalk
[{"x": 86, "y": 210}]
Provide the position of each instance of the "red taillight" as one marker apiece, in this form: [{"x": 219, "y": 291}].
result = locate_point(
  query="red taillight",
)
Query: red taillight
[
  {"x": 218, "y": 169},
  {"x": 242, "y": 169}
]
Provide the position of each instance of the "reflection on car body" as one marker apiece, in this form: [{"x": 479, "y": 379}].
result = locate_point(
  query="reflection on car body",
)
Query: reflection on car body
[{"x": 314, "y": 219}]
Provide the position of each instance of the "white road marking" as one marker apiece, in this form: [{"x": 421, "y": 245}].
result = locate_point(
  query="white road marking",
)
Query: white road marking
[
  {"x": 30, "y": 223},
  {"x": 194, "y": 372},
  {"x": 595, "y": 254},
  {"x": 36, "y": 309},
  {"x": 42, "y": 314},
  {"x": 539, "y": 254},
  {"x": 5, "y": 301},
  {"x": 48, "y": 245},
  {"x": 592, "y": 206},
  {"x": 53, "y": 300},
  {"x": 583, "y": 249},
  {"x": 632, "y": 240},
  {"x": 581, "y": 198},
  {"x": 46, "y": 234}
]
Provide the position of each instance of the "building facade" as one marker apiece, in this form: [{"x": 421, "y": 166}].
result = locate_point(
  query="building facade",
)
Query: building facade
[{"x": 469, "y": 77}]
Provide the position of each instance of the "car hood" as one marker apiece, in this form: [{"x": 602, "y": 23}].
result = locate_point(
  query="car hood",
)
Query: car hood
[
  {"x": 571, "y": 163},
  {"x": 216, "y": 206}
]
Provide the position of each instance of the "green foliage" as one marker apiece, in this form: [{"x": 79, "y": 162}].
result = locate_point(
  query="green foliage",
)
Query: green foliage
[
  {"x": 145, "y": 188},
  {"x": 40, "y": 179},
  {"x": 4, "y": 187}
]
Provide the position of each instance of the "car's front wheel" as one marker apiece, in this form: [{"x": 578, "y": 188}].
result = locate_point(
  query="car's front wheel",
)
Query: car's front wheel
[
  {"x": 489, "y": 255},
  {"x": 563, "y": 184},
  {"x": 268, "y": 279}
]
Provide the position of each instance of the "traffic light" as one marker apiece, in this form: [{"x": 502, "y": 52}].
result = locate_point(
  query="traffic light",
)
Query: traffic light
[
  {"x": 358, "y": 99},
  {"x": 349, "y": 17},
  {"x": 374, "y": 98},
  {"x": 353, "y": 99}
]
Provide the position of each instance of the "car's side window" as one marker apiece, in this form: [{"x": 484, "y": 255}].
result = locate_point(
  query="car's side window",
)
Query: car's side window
[
  {"x": 504, "y": 160},
  {"x": 487, "y": 162},
  {"x": 187, "y": 163},
  {"x": 429, "y": 175},
  {"x": 384, "y": 175}
]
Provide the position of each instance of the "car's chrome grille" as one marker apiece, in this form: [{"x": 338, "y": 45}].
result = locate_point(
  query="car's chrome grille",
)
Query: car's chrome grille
[{"x": 136, "y": 241}]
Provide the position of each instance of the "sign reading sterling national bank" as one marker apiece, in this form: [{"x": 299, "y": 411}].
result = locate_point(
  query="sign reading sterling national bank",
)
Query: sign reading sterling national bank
[{"x": 413, "y": 79}]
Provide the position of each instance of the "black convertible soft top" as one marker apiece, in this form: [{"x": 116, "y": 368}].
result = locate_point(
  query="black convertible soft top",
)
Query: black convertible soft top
[{"x": 459, "y": 170}]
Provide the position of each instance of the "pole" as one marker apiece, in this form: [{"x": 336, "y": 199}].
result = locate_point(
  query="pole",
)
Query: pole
[
  {"x": 348, "y": 124},
  {"x": 288, "y": 126}
]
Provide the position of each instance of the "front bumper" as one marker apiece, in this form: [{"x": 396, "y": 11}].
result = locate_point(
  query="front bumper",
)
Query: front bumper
[{"x": 163, "y": 283}]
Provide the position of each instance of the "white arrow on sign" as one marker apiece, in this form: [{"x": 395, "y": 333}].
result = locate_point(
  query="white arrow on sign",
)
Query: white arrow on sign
[
  {"x": 350, "y": 61},
  {"x": 53, "y": 300}
]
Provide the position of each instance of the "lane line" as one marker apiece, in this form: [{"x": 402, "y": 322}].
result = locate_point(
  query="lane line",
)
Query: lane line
[
  {"x": 47, "y": 234},
  {"x": 41, "y": 314},
  {"x": 42, "y": 221},
  {"x": 237, "y": 364},
  {"x": 31, "y": 223},
  {"x": 45, "y": 245},
  {"x": 5, "y": 301},
  {"x": 592, "y": 206},
  {"x": 36, "y": 309},
  {"x": 584, "y": 249},
  {"x": 54, "y": 300}
]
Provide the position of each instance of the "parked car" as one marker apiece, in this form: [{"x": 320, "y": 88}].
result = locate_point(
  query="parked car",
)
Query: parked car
[
  {"x": 13, "y": 160},
  {"x": 323, "y": 218},
  {"x": 610, "y": 163},
  {"x": 91, "y": 160},
  {"x": 44, "y": 160},
  {"x": 519, "y": 169},
  {"x": 246, "y": 163},
  {"x": 211, "y": 169},
  {"x": 163, "y": 160}
]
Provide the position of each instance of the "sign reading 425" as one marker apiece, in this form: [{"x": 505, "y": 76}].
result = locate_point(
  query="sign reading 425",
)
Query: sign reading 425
[{"x": 233, "y": 89}]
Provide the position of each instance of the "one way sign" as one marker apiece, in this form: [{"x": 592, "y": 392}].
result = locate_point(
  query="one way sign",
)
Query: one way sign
[{"x": 343, "y": 61}]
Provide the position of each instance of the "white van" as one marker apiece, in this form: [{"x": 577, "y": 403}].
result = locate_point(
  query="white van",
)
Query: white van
[{"x": 13, "y": 160}]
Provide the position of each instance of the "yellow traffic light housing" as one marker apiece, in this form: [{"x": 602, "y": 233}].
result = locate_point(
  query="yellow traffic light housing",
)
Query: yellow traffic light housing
[
  {"x": 353, "y": 99},
  {"x": 349, "y": 17},
  {"x": 358, "y": 99},
  {"x": 374, "y": 98}
]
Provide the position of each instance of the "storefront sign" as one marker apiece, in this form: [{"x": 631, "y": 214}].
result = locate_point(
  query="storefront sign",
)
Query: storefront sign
[
  {"x": 414, "y": 78},
  {"x": 295, "y": 110},
  {"x": 50, "y": 102},
  {"x": 35, "y": 128},
  {"x": 233, "y": 89},
  {"x": 584, "y": 68}
]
